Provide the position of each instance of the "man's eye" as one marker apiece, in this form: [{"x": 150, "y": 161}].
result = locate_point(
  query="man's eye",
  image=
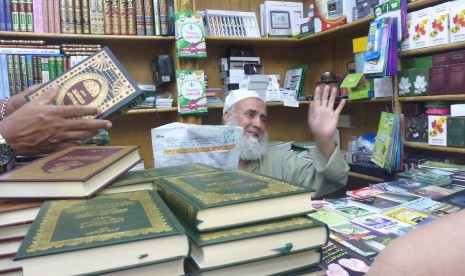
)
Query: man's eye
[{"x": 249, "y": 114}]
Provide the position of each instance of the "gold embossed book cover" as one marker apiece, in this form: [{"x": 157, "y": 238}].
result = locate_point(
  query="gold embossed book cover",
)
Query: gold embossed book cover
[
  {"x": 77, "y": 171},
  {"x": 225, "y": 199},
  {"x": 100, "y": 81},
  {"x": 92, "y": 236}
]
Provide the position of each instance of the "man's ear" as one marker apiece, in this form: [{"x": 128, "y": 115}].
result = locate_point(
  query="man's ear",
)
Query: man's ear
[{"x": 225, "y": 117}]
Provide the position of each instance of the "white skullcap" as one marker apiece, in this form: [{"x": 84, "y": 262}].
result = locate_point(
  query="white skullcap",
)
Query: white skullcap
[{"x": 237, "y": 95}]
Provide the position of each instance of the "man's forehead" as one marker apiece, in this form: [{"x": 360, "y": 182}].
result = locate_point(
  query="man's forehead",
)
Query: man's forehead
[{"x": 254, "y": 104}]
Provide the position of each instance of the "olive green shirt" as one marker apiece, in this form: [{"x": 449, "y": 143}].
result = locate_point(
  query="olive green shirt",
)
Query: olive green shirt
[{"x": 324, "y": 176}]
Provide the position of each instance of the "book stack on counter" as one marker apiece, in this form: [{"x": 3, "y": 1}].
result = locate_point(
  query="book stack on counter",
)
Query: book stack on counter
[
  {"x": 212, "y": 96},
  {"x": 241, "y": 223}
]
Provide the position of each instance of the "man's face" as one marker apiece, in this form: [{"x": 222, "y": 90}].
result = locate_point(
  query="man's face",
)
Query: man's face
[{"x": 251, "y": 116}]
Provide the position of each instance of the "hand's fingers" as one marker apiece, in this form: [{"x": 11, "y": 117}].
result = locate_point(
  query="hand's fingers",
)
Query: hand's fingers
[
  {"x": 317, "y": 97},
  {"x": 48, "y": 96},
  {"x": 29, "y": 90},
  {"x": 340, "y": 106},
  {"x": 71, "y": 111},
  {"x": 324, "y": 101},
  {"x": 87, "y": 124},
  {"x": 332, "y": 98}
]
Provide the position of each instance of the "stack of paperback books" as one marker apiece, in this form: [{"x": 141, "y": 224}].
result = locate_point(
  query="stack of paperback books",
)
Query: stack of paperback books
[{"x": 245, "y": 224}]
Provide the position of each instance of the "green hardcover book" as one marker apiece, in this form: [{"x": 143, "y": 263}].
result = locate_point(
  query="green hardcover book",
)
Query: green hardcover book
[
  {"x": 219, "y": 200},
  {"x": 222, "y": 248},
  {"x": 71, "y": 237},
  {"x": 147, "y": 179},
  {"x": 301, "y": 263},
  {"x": 52, "y": 69}
]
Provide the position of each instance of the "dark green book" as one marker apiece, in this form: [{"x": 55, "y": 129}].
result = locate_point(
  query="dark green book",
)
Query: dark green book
[
  {"x": 147, "y": 179},
  {"x": 305, "y": 261},
  {"x": 224, "y": 199},
  {"x": 221, "y": 248},
  {"x": 71, "y": 237}
]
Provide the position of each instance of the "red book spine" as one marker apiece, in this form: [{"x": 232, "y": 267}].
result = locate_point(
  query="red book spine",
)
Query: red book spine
[{"x": 123, "y": 16}]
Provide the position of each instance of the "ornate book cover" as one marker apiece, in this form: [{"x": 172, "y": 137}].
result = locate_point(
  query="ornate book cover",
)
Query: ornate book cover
[
  {"x": 62, "y": 170},
  {"x": 139, "y": 220},
  {"x": 140, "y": 17},
  {"x": 97, "y": 16},
  {"x": 194, "y": 197},
  {"x": 100, "y": 81},
  {"x": 151, "y": 175}
]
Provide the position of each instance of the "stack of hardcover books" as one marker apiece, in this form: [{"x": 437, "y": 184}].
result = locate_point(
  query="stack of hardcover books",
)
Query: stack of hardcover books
[{"x": 243, "y": 223}]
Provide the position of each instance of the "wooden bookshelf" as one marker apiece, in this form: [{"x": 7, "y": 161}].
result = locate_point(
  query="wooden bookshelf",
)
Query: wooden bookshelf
[
  {"x": 459, "y": 97},
  {"x": 366, "y": 177},
  {"x": 426, "y": 147}
]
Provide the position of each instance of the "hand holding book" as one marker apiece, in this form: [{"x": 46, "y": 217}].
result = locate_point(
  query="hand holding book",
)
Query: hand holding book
[{"x": 38, "y": 127}]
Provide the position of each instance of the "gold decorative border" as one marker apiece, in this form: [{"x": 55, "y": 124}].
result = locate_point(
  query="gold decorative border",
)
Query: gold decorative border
[
  {"x": 275, "y": 187},
  {"x": 43, "y": 238}
]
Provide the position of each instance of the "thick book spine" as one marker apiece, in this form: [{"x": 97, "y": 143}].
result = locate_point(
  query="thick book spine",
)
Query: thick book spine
[
  {"x": 11, "y": 74},
  {"x": 29, "y": 7},
  {"x": 8, "y": 22},
  {"x": 2, "y": 16},
  {"x": 170, "y": 17},
  {"x": 23, "y": 72},
  {"x": 108, "y": 15},
  {"x": 17, "y": 74},
  {"x": 97, "y": 16},
  {"x": 37, "y": 16},
  {"x": 15, "y": 15},
  {"x": 59, "y": 65},
  {"x": 140, "y": 21},
  {"x": 45, "y": 18},
  {"x": 156, "y": 17},
  {"x": 35, "y": 71},
  {"x": 38, "y": 51},
  {"x": 115, "y": 17},
  {"x": 30, "y": 70},
  {"x": 123, "y": 17},
  {"x": 22, "y": 15},
  {"x": 148, "y": 17},
  {"x": 131, "y": 17},
  {"x": 45, "y": 72},
  {"x": 178, "y": 204},
  {"x": 85, "y": 17},
  {"x": 77, "y": 16},
  {"x": 67, "y": 17},
  {"x": 50, "y": 18},
  {"x": 52, "y": 72},
  {"x": 163, "y": 17},
  {"x": 5, "y": 80},
  {"x": 56, "y": 16}
]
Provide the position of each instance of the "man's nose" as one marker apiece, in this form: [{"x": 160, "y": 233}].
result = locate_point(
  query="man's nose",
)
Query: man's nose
[{"x": 257, "y": 122}]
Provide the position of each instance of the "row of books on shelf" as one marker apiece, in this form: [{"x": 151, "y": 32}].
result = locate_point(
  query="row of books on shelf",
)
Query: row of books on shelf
[
  {"x": 114, "y": 17},
  {"x": 138, "y": 220}
]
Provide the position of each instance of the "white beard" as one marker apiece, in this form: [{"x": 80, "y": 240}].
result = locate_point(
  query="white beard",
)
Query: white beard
[{"x": 252, "y": 149}]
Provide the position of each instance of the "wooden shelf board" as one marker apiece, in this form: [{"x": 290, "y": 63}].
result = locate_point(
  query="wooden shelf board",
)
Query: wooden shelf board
[
  {"x": 434, "y": 49},
  {"x": 103, "y": 39},
  {"x": 152, "y": 110},
  {"x": 425, "y": 146},
  {"x": 366, "y": 177},
  {"x": 459, "y": 97}
]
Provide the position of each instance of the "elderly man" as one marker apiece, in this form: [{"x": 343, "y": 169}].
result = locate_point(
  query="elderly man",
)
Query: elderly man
[{"x": 327, "y": 173}]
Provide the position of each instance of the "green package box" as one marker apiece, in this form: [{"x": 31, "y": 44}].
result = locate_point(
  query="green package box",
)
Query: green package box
[
  {"x": 190, "y": 35},
  {"x": 420, "y": 62},
  {"x": 420, "y": 81},
  {"x": 405, "y": 83}
]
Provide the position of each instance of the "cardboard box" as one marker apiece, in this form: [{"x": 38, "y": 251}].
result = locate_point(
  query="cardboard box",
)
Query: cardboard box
[
  {"x": 359, "y": 44},
  {"x": 437, "y": 130},
  {"x": 439, "y": 24},
  {"x": 438, "y": 80},
  {"x": 416, "y": 128},
  {"x": 330, "y": 14},
  {"x": 405, "y": 83},
  {"x": 456, "y": 78},
  {"x": 457, "y": 110},
  {"x": 420, "y": 81},
  {"x": 422, "y": 26},
  {"x": 407, "y": 42},
  {"x": 383, "y": 87},
  {"x": 457, "y": 21},
  {"x": 357, "y": 83},
  {"x": 420, "y": 62},
  {"x": 456, "y": 132}
]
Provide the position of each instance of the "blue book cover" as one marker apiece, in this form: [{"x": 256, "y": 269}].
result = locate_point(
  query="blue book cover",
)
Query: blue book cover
[
  {"x": 8, "y": 22},
  {"x": 29, "y": 70},
  {"x": 4, "y": 89},
  {"x": 2, "y": 16}
]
